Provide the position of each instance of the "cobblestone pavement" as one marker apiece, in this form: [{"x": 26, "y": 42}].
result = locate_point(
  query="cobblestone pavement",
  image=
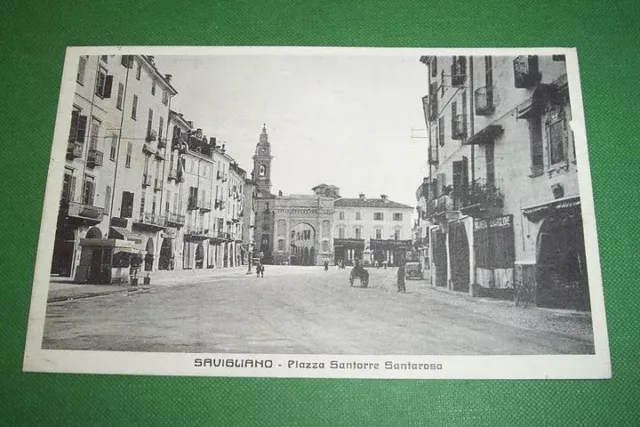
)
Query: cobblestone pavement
[{"x": 307, "y": 310}]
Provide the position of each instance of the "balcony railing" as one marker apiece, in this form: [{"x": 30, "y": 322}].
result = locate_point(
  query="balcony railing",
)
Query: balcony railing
[
  {"x": 173, "y": 175},
  {"x": 483, "y": 198},
  {"x": 74, "y": 150},
  {"x": 152, "y": 135},
  {"x": 147, "y": 148},
  {"x": 223, "y": 235},
  {"x": 219, "y": 204},
  {"x": 205, "y": 205},
  {"x": 162, "y": 142},
  {"x": 484, "y": 101},
  {"x": 197, "y": 232},
  {"x": 89, "y": 213},
  {"x": 175, "y": 220},
  {"x": 525, "y": 71},
  {"x": 440, "y": 205},
  {"x": 433, "y": 154},
  {"x": 193, "y": 203},
  {"x": 459, "y": 126},
  {"x": 146, "y": 180},
  {"x": 157, "y": 184},
  {"x": 94, "y": 158},
  {"x": 151, "y": 220}
]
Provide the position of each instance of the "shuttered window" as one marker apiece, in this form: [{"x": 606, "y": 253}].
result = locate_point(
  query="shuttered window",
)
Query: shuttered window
[{"x": 535, "y": 138}]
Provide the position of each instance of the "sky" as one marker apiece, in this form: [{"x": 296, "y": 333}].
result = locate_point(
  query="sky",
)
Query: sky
[{"x": 351, "y": 121}]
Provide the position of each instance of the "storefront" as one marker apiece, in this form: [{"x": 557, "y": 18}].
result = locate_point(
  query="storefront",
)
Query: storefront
[
  {"x": 106, "y": 261},
  {"x": 494, "y": 248},
  {"x": 348, "y": 250},
  {"x": 560, "y": 271},
  {"x": 392, "y": 252}
]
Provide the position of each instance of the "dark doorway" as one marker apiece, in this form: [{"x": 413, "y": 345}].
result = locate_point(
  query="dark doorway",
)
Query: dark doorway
[
  {"x": 166, "y": 255},
  {"x": 440, "y": 257},
  {"x": 200, "y": 256},
  {"x": 459, "y": 249},
  {"x": 148, "y": 259},
  {"x": 561, "y": 275}
]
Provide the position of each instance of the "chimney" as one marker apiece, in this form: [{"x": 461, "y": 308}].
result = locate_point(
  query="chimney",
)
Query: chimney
[
  {"x": 212, "y": 141},
  {"x": 384, "y": 197},
  {"x": 190, "y": 123},
  {"x": 361, "y": 196},
  {"x": 151, "y": 59},
  {"x": 280, "y": 193},
  {"x": 168, "y": 77}
]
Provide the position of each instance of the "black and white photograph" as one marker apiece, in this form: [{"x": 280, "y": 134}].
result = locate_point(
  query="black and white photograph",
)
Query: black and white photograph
[{"x": 319, "y": 212}]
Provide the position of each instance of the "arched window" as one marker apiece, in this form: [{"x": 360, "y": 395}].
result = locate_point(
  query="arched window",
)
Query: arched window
[{"x": 263, "y": 170}]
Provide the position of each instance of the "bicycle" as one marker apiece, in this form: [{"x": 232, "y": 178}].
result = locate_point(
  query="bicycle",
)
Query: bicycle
[{"x": 522, "y": 294}]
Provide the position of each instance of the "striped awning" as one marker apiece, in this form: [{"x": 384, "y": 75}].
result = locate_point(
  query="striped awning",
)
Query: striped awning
[{"x": 559, "y": 206}]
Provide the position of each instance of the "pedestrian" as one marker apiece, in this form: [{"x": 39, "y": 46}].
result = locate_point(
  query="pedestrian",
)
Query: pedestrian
[
  {"x": 401, "y": 272},
  {"x": 326, "y": 266},
  {"x": 258, "y": 266},
  {"x": 261, "y": 270}
]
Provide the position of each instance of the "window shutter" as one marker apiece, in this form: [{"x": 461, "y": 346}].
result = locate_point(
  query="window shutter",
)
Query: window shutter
[
  {"x": 434, "y": 67},
  {"x": 107, "y": 199},
  {"x": 72, "y": 189},
  {"x": 92, "y": 192},
  {"x": 73, "y": 131},
  {"x": 457, "y": 178},
  {"x": 81, "y": 128},
  {"x": 108, "y": 84},
  {"x": 442, "y": 181}
]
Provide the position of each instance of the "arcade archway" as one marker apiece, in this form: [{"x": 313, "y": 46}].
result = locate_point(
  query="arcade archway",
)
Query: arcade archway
[
  {"x": 148, "y": 258},
  {"x": 303, "y": 242},
  {"x": 200, "y": 256},
  {"x": 166, "y": 255},
  {"x": 561, "y": 274}
]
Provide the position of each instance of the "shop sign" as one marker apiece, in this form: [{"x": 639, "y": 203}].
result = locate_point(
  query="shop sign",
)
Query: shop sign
[{"x": 501, "y": 221}]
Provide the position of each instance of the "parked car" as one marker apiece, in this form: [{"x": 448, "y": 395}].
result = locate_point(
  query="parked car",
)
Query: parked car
[{"x": 413, "y": 270}]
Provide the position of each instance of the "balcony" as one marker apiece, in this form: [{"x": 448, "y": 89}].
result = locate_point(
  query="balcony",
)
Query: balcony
[
  {"x": 483, "y": 199},
  {"x": 157, "y": 184},
  {"x": 224, "y": 236},
  {"x": 459, "y": 126},
  {"x": 87, "y": 213},
  {"x": 205, "y": 205},
  {"x": 484, "y": 101},
  {"x": 146, "y": 180},
  {"x": 430, "y": 106},
  {"x": 147, "y": 148},
  {"x": 159, "y": 155},
  {"x": 173, "y": 175},
  {"x": 150, "y": 220},
  {"x": 74, "y": 150},
  {"x": 433, "y": 154},
  {"x": 442, "y": 206},
  {"x": 162, "y": 143},
  {"x": 219, "y": 204},
  {"x": 197, "y": 233},
  {"x": 175, "y": 220},
  {"x": 525, "y": 71},
  {"x": 94, "y": 158},
  {"x": 152, "y": 135},
  {"x": 193, "y": 203}
]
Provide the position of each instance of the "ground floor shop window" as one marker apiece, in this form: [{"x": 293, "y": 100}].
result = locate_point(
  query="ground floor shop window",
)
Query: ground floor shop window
[{"x": 494, "y": 242}]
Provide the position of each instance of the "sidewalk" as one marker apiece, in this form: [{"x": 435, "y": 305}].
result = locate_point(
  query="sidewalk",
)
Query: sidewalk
[{"x": 64, "y": 288}]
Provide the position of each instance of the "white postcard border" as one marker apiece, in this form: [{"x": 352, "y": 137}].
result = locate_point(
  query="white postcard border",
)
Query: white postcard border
[{"x": 36, "y": 359}]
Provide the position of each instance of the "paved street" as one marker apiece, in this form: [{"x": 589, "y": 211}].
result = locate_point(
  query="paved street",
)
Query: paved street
[{"x": 307, "y": 310}]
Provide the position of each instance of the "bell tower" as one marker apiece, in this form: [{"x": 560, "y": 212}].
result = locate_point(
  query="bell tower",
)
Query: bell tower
[{"x": 262, "y": 163}]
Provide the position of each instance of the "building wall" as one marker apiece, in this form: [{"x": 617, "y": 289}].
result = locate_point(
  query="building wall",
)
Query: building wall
[
  {"x": 368, "y": 225},
  {"x": 515, "y": 178}
]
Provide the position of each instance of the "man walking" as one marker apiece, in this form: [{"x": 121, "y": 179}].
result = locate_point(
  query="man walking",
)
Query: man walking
[{"x": 401, "y": 272}]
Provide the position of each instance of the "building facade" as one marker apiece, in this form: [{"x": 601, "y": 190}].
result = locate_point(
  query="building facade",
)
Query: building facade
[
  {"x": 139, "y": 180},
  {"x": 373, "y": 230},
  {"x": 502, "y": 201}
]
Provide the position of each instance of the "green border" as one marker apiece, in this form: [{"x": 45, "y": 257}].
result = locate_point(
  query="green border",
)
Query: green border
[{"x": 34, "y": 36}]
